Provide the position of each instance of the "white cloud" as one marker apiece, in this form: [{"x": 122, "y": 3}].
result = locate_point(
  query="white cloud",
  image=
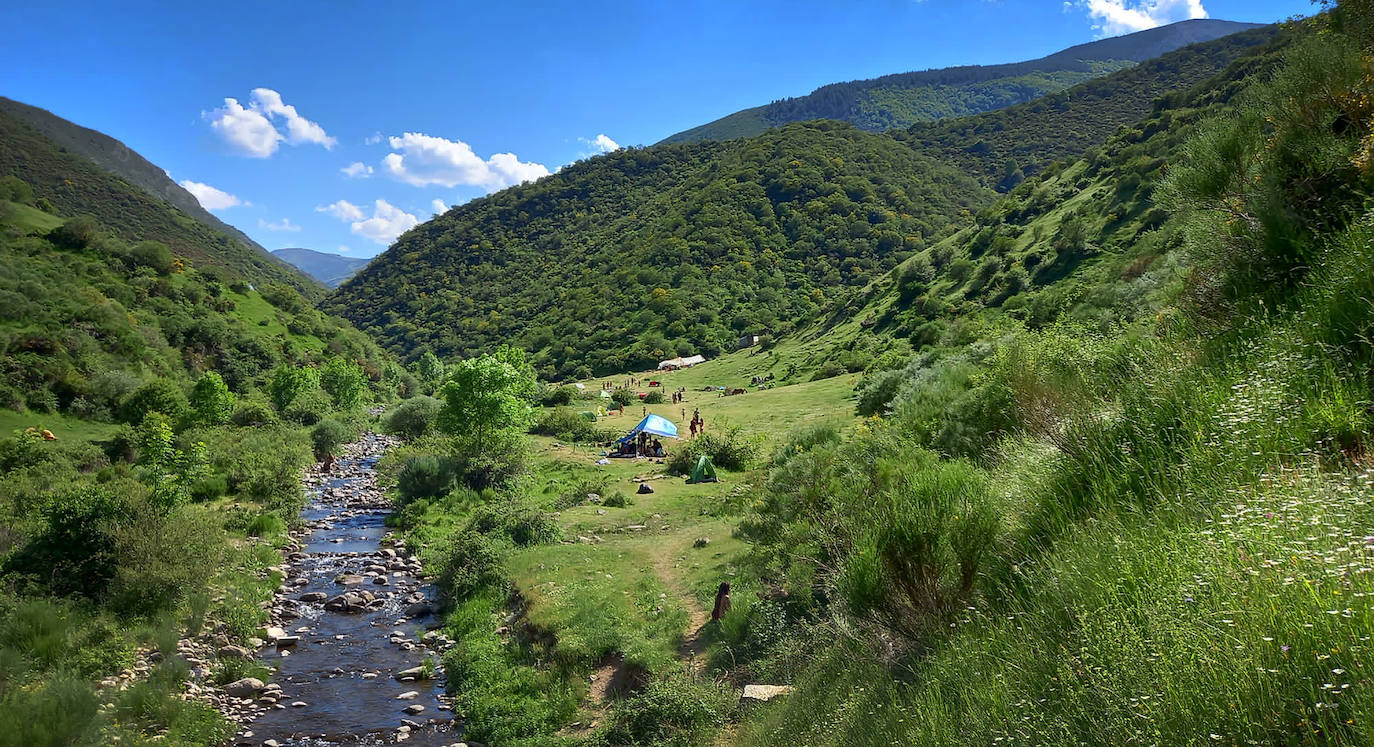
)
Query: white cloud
[
  {"x": 343, "y": 210},
  {"x": 357, "y": 170},
  {"x": 298, "y": 128},
  {"x": 251, "y": 130},
  {"x": 284, "y": 224},
  {"x": 387, "y": 221},
  {"x": 246, "y": 130},
  {"x": 209, "y": 197},
  {"x": 343, "y": 249},
  {"x": 601, "y": 144},
  {"x": 424, "y": 160},
  {"x": 374, "y": 139},
  {"x": 438, "y": 206},
  {"x": 1114, "y": 17}
]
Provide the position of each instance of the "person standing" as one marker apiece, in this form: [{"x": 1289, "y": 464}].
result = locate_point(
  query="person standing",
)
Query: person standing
[{"x": 722, "y": 607}]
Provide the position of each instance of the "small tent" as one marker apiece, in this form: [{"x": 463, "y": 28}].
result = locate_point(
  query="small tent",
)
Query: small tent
[
  {"x": 655, "y": 425},
  {"x": 705, "y": 471}
]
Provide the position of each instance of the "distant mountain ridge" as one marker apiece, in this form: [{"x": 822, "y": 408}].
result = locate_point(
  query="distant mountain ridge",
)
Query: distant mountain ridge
[
  {"x": 326, "y": 267},
  {"x": 903, "y": 99}
]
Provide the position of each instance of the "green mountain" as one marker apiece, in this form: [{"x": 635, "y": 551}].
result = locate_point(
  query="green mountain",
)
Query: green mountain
[
  {"x": 904, "y": 99},
  {"x": 1027, "y": 137},
  {"x": 614, "y": 262},
  {"x": 620, "y": 261},
  {"x": 330, "y": 269},
  {"x": 120, "y": 160},
  {"x": 129, "y": 196}
]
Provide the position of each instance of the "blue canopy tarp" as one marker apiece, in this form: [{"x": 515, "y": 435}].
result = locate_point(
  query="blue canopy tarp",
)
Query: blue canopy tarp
[{"x": 652, "y": 424}]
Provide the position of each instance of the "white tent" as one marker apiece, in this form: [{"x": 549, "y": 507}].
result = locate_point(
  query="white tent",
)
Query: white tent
[{"x": 681, "y": 362}]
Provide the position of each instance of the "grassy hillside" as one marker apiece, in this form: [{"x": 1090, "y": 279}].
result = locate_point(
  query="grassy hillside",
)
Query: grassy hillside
[
  {"x": 620, "y": 261},
  {"x": 116, "y": 158},
  {"x": 155, "y": 417},
  {"x": 904, "y": 99},
  {"x": 74, "y": 185}
]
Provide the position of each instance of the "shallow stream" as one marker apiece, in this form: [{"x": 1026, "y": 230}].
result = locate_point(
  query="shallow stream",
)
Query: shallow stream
[{"x": 352, "y": 615}]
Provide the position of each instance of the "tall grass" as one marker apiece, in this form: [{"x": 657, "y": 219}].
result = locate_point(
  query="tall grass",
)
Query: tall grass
[{"x": 1193, "y": 565}]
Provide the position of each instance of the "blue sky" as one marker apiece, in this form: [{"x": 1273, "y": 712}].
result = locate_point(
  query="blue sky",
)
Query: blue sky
[{"x": 335, "y": 125}]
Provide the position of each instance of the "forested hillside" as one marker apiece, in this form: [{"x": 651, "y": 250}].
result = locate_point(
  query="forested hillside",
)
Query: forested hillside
[
  {"x": 903, "y": 99},
  {"x": 74, "y": 185},
  {"x": 1002, "y": 147},
  {"x": 617, "y": 262}
]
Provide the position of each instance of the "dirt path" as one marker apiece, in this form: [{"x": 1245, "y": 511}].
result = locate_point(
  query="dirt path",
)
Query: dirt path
[{"x": 666, "y": 567}]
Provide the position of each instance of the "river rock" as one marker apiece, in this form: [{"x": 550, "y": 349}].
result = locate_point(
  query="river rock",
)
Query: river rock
[
  {"x": 418, "y": 609},
  {"x": 244, "y": 688},
  {"x": 408, "y": 695},
  {"x": 314, "y": 596},
  {"x": 414, "y": 708}
]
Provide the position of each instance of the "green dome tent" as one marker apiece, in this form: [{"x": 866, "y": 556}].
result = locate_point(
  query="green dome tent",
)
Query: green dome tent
[{"x": 705, "y": 471}]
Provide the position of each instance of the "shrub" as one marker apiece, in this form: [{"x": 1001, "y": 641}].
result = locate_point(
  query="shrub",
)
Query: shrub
[
  {"x": 675, "y": 709},
  {"x": 413, "y": 418},
  {"x": 728, "y": 446},
  {"x": 14, "y": 189},
  {"x": 495, "y": 464},
  {"x": 918, "y": 543},
  {"x": 74, "y": 550},
  {"x": 560, "y": 396},
  {"x": 158, "y": 395},
  {"x": 209, "y": 488},
  {"x": 309, "y": 408},
  {"x": 211, "y": 401},
  {"x": 327, "y": 436},
  {"x": 521, "y": 525},
  {"x": 878, "y": 390},
  {"x": 76, "y": 233},
  {"x": 618, "y": 499},
  {"x": 471, "y": 561},
  {"x": 23, "y": 449},
  {"x": 624, "y": 397},
  {"x": 162, "y": 558},
  {"x": 154, "y": 254},
  {"x": 567, "y": 424},
  {"x": 654, "y": 397},
  {"x": 252, "y": 412},
  {"x": 426, "y": 476}
]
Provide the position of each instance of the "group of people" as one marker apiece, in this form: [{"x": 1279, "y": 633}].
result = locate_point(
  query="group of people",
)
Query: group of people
[
  {"x": 680, "y": 395},
  {"x": 698, "y": 423},
  {"x": 641, "y": 446}
]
